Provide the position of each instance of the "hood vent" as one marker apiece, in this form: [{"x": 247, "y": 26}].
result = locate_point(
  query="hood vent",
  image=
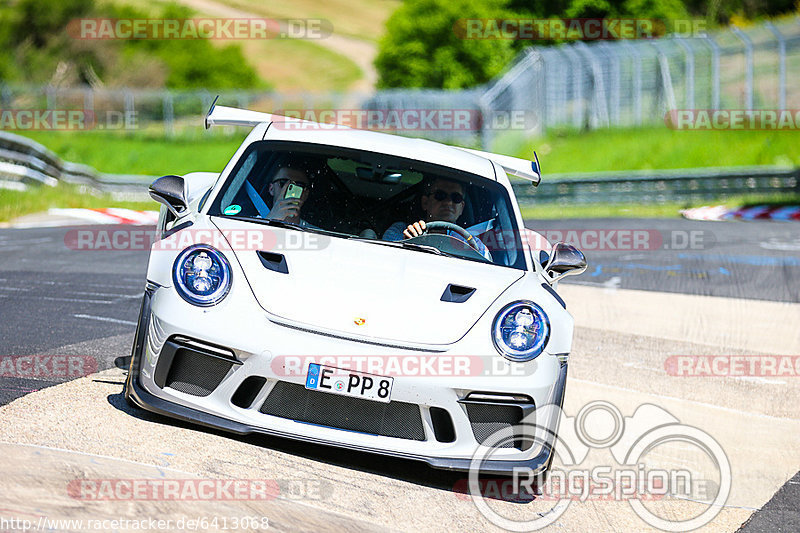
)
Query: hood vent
[
  {"x": 273, "y": 261},
  {"x": 457, "y": 294}
]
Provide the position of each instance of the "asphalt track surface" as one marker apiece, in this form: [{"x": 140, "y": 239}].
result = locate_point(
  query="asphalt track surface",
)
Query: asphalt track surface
[{"x": 52, "y": 297}]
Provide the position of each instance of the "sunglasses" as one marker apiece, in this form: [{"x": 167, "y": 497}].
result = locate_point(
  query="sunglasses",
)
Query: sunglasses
[{"x": 440, "y": 196}]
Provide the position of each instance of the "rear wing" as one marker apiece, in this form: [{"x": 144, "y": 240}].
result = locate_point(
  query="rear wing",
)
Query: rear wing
[
  {"x": 230, "y": 116},
  {"x": 219, "y": 115},
  {"x": 521, "y": 168}
]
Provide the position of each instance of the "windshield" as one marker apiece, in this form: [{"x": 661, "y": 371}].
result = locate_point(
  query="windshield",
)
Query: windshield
[{"x": 374, "y": 197}]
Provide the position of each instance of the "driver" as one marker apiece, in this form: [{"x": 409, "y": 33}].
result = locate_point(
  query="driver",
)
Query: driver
[{"x": 441, "y": 200}]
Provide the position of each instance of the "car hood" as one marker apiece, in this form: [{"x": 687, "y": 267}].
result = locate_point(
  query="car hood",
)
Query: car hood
[{"x": 361, "y": 289}]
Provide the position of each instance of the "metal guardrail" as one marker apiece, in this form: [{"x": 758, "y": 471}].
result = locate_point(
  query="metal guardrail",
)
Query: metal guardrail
[
  {"x": 24, "y": 161},
  {"x": 659, "y": 186}
]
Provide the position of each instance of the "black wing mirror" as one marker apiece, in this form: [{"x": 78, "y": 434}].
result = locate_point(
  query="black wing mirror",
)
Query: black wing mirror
[
  {"x": 565, "y": 260},
  {"x": 170, "y": 191}
]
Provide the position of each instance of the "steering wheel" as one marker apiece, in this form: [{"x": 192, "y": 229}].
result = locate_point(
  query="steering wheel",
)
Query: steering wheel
[{"x": 438, "y": 224}]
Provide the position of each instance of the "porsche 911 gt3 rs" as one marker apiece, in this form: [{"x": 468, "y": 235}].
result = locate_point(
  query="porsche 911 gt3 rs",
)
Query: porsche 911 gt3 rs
[{"x": 354, "y": 289}]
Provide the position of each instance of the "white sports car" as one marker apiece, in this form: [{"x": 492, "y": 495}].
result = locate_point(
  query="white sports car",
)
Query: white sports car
[{"x": 355, "y": 289}]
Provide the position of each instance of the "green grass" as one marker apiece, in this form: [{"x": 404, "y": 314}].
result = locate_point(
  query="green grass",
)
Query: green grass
[
  {"x": 655, "y": 148},
  {"x": 37, "y": 199},
  {"x": 139, "y": 153},
  {"x": 555, "y": 211},
  {"x": 670, "y": 210}
]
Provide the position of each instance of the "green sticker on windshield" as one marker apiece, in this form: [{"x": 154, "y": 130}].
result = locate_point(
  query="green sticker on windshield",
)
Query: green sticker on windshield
[{"x": 232, "y": 210}]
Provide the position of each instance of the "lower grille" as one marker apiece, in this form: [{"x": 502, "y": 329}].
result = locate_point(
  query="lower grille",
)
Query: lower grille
[
  {"x": 195, "y": 373},
  {"x": 487, "y": 419},
  {"x": 393, "y": 419}
]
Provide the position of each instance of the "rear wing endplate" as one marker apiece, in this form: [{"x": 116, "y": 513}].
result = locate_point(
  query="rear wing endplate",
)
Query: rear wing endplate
[{"x": 521, "y": 168}]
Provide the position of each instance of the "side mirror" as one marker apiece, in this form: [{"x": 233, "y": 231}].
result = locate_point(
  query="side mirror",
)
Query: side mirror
[
  {"x": 565, "y": 260},
  {"x": 170, "y": 191}
]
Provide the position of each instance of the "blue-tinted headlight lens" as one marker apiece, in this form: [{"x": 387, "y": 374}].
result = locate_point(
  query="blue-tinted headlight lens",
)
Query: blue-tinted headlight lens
[
  {"x": 520, "y": 331},
  {"x": 202, "y": 275}
]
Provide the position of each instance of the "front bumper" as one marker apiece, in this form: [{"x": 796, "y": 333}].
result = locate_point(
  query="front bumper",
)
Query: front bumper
[{"x": 455, "y": 456}]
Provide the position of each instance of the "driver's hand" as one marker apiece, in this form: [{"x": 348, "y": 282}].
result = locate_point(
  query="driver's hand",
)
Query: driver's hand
[
  {"x": 286, "y": 209},
  {"x": 414, "y": 230}
]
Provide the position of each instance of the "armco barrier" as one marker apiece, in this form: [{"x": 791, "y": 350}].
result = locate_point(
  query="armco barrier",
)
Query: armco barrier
[
  {"x": 659, "y": 186},
  {"x": 25, "y": 161}
]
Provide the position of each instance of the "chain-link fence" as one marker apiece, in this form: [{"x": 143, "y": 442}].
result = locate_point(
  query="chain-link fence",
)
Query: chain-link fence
[
  {"x": 632, "y": 83},
  {"x": 577, "y": 85}
]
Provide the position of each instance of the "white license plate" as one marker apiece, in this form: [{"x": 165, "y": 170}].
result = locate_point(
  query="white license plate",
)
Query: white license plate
[{"x": 349, "y": 383}]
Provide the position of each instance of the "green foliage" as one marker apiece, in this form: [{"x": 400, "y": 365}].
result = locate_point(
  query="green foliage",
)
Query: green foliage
[
  {"x": 36, "y": 47},
  {"x": 421, "y": 48},
  {"x": 39, "y": 20}
]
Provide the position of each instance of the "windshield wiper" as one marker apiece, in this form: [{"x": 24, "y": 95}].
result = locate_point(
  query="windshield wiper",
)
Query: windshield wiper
[
  {"x": 288, "y": 225},
  {"x": 406, "y": 245},
  {"x": 269, "y": 222}
]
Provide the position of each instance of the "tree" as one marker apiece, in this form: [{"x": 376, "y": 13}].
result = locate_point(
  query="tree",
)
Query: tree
[{"x": 422, "y": 46}]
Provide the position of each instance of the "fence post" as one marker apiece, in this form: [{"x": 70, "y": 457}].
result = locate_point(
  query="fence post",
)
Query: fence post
[
  {"x": 781, "y": 64},
  {"x": 88, "y": 99},
  {"x": 614, "y": 89},
  {"x": 748, "y": 57},
  {"x": 666, "y": 78},
  {"x": 636, "y": 92},
  {"x": 50, "y": 93},
  {"x": 5, "y": 96},
  {"x": 599, "y": 99},
  {"x": 689, "y": 87},
  {"x": 577, "y": 85},
  {"x": 714, "y": 70},
  {"x": 169, "y": 113},
  {"x": 130, "y": 109}
]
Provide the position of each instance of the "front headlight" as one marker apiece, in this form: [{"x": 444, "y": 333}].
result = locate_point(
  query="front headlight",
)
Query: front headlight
[
  {"x": 520, "y": 331},
  {"x": 202, "y": 275}
]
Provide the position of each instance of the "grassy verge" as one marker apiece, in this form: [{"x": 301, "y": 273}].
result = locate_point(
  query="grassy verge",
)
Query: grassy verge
[
  {"x": 655, "y": 148},
  {"x": 121, "y": 153},
  {"x": 37, "y": 199},
  {"x": 553, "y": 211}
]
